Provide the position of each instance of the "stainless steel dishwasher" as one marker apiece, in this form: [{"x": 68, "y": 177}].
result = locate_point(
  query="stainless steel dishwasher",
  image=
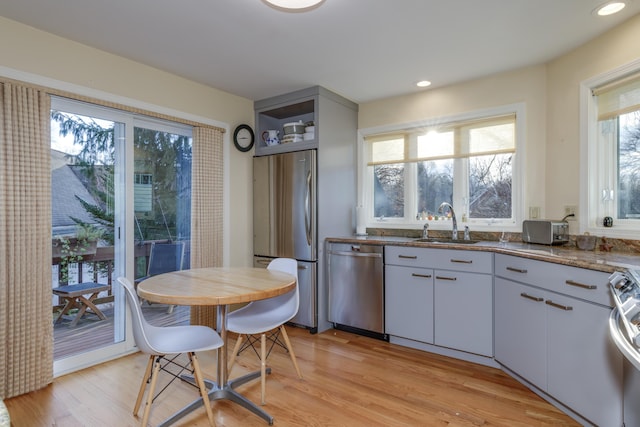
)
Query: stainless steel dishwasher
[{"x": 356, "y": 288}]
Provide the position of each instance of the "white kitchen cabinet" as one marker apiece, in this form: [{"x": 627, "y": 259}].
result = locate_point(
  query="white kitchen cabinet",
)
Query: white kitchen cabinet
[
  {"x": 556, "y": 341},
  {"x": 520, "y": 330},
  {"x": 463, "y": 311},
  {"x": 452, "y": 309},
  {"x": 584, "y": 369},
  {"x": 581, "y": 283},
  {"x": 409, "y": 302}
]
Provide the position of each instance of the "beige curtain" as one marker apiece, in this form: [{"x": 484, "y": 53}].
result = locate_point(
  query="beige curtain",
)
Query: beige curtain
[
  {"x": 26, "y": 352},
  {"x": 206, "y": 209}
]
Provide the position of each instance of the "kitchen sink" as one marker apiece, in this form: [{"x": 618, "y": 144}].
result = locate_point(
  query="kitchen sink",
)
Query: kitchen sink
[{"x": 450, "y": 241}]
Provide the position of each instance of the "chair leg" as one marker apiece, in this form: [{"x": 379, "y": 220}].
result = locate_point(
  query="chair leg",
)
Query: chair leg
[
  {"x": 263, "y": 366},
  {"x": 152, "y": 388},
  {"x": 143, "y": 385},
  {"x": 234, "y": 354},
  {"x": 283, "y": 331},
  {"x": 203, "y": 389}
]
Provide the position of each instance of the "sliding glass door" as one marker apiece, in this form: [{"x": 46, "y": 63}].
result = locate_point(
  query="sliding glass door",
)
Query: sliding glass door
[{"x": 119, "y": 183}]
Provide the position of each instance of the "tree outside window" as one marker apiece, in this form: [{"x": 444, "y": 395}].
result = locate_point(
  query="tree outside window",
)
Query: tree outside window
[{"x": 468, "y": 164}]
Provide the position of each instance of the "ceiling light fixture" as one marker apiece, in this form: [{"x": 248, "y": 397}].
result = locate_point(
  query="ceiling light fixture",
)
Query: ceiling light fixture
[
  {"x": 609, "y": 8},
  {"x": 423, "y": 83},
  {"x": 294, "y": 5}
]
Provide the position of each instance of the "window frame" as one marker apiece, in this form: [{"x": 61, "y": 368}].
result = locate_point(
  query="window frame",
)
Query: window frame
[
  {"x": 409, "y": 221},
  {"x": 593, "y": 168}
]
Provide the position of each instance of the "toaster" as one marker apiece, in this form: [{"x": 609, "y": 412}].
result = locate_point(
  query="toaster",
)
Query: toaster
[{"x": 545, "y": 232}]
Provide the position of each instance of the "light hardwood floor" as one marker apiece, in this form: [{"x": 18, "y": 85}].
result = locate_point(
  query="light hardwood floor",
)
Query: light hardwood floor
[{"x": 349, "y": 380}]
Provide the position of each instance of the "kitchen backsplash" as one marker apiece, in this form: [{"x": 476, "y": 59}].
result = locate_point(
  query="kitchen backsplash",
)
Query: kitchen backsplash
[{"x": 603, "y": 243}]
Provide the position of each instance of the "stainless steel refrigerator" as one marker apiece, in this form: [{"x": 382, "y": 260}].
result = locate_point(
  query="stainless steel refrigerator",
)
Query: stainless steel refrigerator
[{"x": 284, "y": 221}]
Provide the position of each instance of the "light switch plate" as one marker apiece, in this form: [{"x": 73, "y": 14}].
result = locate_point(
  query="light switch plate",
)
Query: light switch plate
[{"x": 534, "y": 212}]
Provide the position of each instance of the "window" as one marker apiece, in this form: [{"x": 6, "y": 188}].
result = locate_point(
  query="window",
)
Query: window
[
  {"x": 614, "y": 153},
  {"x": 468, "y": 163}
]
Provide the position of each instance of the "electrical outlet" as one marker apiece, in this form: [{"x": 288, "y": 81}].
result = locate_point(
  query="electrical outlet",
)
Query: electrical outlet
[
  {"x": 571, "y": 210},
  {"x": 534, "y": 212}
]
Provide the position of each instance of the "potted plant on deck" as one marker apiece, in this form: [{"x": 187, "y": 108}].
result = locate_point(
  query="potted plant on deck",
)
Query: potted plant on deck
[{"x": 72, "y": 249}]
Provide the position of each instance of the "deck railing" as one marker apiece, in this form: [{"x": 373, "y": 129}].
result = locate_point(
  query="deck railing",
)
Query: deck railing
[{"x": 98, "y": 267}]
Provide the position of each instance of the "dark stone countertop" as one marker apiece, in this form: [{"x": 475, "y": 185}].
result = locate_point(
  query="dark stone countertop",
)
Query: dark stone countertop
[{"x": 594, "y": 260}]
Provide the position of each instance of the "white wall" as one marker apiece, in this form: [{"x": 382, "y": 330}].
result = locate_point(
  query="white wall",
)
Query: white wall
[{"x": 25, "y": 50}]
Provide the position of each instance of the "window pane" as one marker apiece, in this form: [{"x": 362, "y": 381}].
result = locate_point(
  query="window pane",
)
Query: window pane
[
  {"x": 629, "y": 167},
  {"x": 82, "y": 219},
  {"x": 388, "y": 190},
  {"x": 435, "y": 185},
  {"x": 435, "y": 144},
  {"x": 490, "y": 186},
  {"x": 162, "y": 193}
]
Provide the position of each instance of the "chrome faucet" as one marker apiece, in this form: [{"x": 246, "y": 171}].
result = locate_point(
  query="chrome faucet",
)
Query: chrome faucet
[
  {"x": 425, "y": 231},
  {"x": 467, "y": 236},
  {"x": 454, "y": 231}
]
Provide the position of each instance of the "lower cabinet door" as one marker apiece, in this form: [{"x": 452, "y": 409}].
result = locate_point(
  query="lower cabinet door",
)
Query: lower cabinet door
[
  {"x": 409, "y": 303},
  {"x": 585, "y": 368},
  {"x": 521, "y": 330},
  {"x": 463, "y": 311}
]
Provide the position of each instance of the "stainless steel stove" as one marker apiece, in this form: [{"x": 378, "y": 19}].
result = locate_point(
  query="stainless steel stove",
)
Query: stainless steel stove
[{"x": 624, "y": 321}]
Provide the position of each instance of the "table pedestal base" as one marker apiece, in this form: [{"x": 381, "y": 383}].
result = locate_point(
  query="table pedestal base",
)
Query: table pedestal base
[{"x": 226, "y": 392}]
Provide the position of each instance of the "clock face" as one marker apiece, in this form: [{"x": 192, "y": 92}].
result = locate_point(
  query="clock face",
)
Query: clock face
[{"x": 243, "y": 138}]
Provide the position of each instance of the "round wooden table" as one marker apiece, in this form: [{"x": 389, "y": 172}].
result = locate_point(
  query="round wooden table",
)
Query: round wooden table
[{"x": 218, "y": 286}]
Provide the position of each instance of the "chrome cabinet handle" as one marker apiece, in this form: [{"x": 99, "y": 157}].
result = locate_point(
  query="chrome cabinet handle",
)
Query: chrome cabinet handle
[
  {"x": 517, "y": 270},
  {"x": 425, "y": 276},
  {"x": 462, "y": 261},
  {"x": 531, "y": 297},
  {"x": 580, "y": 285},
  {"x": 446, "y": 278},
  {"x": 560, "y": 306},
  {"x": 408, "y": 256}
]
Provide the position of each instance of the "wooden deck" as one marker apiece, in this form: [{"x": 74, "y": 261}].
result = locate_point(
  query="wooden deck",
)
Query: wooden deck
[{"x": 91, "y": 332}]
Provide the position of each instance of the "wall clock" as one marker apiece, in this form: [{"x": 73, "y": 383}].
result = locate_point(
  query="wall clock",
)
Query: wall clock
[{"x": 243, "y": 138}]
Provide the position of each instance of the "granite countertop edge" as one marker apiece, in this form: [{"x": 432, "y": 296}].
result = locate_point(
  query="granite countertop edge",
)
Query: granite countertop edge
[{"x": 607, "y": 262}]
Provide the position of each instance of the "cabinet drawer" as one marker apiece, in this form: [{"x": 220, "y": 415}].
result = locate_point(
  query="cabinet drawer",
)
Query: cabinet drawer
[
  {"x": 582, "y": 283},
  {"x": 460, "y": 260},
  {"x": 449, "y": 259},
  {"x": 406, "y": 256}
]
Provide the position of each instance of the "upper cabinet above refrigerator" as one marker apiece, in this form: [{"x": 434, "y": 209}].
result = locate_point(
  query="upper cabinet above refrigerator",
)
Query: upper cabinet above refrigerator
[{"x": 304, "y": 106}]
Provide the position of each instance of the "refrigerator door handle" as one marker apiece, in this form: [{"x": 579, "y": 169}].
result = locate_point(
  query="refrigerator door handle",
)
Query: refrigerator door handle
[{"x": 307, "y": 213}]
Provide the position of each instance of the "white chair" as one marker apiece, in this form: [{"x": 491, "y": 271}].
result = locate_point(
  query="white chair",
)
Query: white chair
[
  {"x": 263, "y": 316},
  {"x": 169, "y": 340}
]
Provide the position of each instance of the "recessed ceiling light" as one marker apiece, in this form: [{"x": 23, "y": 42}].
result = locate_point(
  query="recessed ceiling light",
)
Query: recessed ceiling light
[
  {"x": 423, "y": 83},
  {"x": 609, "y": 8},
  {"x": 293, "y": 5}
]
